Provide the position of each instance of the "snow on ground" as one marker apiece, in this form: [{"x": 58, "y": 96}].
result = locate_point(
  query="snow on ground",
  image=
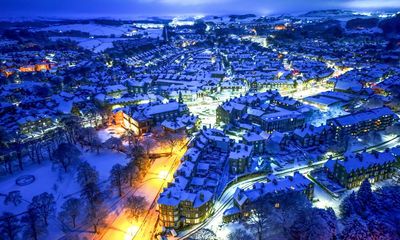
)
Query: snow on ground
[
  {"x": 112, "y": 131},
  {"x": 50, "y": 179},
  {"x": 91, "y": 28},
  {"x": 325, "y": 200},
  {"x": 94, "y": 44}
]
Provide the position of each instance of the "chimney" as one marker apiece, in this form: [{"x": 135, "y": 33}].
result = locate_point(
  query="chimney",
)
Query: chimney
[{"x": 202, "y": 197}]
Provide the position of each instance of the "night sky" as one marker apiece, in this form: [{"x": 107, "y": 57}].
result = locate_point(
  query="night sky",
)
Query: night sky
[{"x": 129, "y": 8}]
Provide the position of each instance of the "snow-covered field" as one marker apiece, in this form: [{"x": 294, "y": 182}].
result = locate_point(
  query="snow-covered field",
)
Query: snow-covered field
[
  {"x": 92, "y": 29},
  {"x": 50, "y": 179},
  {"x": 94, "y": 44},
  {"x": 53, "y": 180}
]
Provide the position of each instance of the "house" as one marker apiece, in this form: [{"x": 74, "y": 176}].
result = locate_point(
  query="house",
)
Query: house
[{"x": 355, "y": 168}]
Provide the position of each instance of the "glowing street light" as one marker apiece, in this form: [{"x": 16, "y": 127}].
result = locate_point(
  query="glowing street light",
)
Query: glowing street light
[
  {"x": 163, "y": 174},
  {"x": 131, "y": 232}
]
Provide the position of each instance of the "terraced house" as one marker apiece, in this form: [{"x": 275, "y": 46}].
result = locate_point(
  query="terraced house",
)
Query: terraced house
[
  {"x": 355, "y": 168},
  {"x": 199, "y": 179}
]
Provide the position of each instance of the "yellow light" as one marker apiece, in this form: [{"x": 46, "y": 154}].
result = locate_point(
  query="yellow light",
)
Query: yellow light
[
  {"x": 131, "y": 232},
  {"x": 163, "y": 174}
]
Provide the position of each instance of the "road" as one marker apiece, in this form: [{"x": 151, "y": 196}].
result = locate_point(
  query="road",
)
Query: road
[
  {"x": 225, "y": 201},
  {"x": 119, "y": 226}
]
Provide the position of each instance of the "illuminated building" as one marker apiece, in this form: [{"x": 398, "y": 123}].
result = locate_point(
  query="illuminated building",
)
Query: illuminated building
[
  {"x": 355, "y": 168},
  {"x": 363, "y": 122},
  {"x": 189, "y": 198},
  {"x": 239, "y": 158},
  {"x": 275, "y": 187}
]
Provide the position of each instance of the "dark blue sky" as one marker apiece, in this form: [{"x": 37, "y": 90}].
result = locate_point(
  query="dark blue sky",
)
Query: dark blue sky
[{"x": 127, "y": 8}]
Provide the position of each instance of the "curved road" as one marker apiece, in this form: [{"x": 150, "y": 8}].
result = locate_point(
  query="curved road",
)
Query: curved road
[{"x": 226, "y": 199}]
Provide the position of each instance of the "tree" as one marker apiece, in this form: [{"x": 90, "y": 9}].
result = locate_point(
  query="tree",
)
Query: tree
[
  {"x": 117, "y": 178},
  {"x": 33, "y": 226},
  {"x": 173, "y": 139},
  {"x": 66, "y": 155},
  {"x": 96, "y": 215},
  {"x": 148, "y": 143},
  {"x": 43, "y": 205},
  {"x": 260, "y": 212},
  {"x": 137, "y": 152},
  {"x": 140, "y": 160},
  {"x": 71, "y": 125},
  {"x": 314, "y": 224},
  {"x": 9, "y": 226},
  {"x": 240, "y": 234},
  {"x": 18, "y": 147},
  {"x": 379, "y": 230},
  {"x": 92, "y": 194},
  {"x": 113, "y": 143},
  {"x": 14, "y": 197},
  {"x": 87, "y": 174},
  {"x": 204, "y": 234},
  {"x": 130, "y": 173},
  {"x": 135, "y": 206},
  {"x": 349, "y": 205},
  {"x": 88, "y": 136},
  {"x": 355, "y": 229},
  {"x": 71, "y": 209},
  {"x": 365, "y": 195}
]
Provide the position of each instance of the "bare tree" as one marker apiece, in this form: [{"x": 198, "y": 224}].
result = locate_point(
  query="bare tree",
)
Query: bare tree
[
  {"x": 14, "y": 197},
  {"x": 87, "y": 174},
  {"x": 33, "y": 226},
  {"x": 95, "y": 215},
  {"x": 66, "y": 155},
  {"x": 9, "y": 226},
  {"x": 174, "y": 140},
  {"x": 43, "y": 205},
  {"x": 135, "y": 206},
  {"x": 117, "y": 178},
  {"x": 259, "y": 216},
  {"x": 92, "y": 194},
  {"x": 113, "y": 143},
  {"x": 35, "y": 151},
  {"x": 90, "y": 138},
  {"x": 71, "y": 125},
  {"x": 148, "y": 143},
  {"x": 19, "y": 146},
  {"x": 130, "y": 173},
  {"x": 71, "y": 209}
]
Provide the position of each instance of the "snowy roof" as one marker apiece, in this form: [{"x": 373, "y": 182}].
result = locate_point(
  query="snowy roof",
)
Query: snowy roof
[
  {"x": 354, "y": 162},
  {"x": 297, "y": 182},
  {"x": 240, "y": 150},
  {"x": 358, "y": 117}
]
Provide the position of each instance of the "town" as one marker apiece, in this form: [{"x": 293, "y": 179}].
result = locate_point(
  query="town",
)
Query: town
[{"x": 205, "y": 127}]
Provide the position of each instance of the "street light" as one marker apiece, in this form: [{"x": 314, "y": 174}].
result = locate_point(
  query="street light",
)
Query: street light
[{"x": 131, "y": 232}]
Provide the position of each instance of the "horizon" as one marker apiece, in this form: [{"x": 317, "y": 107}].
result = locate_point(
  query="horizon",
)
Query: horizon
[{"x": 129, "y": 9}]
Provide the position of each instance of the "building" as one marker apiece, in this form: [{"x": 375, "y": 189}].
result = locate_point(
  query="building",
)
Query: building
[
  {"x": 186, "y": 123},
  {"x": 355, "y": 168},
  {"x": 266, "y": 111},
  {"x": 197, "y": 182},
  {"x": 275, "y": 186},
  {"x": 363, "y": 122},
  {"x": 239, "y": 158},
  {"x": 257, "y": 141},
  {"x": 140, "y": 119},
  {"x": 311, "y": 136}
]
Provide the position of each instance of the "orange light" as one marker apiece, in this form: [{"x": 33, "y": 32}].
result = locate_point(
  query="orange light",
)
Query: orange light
[
  {"x": 163, "y": 174},
  {"x": 131, "y": 232}
]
